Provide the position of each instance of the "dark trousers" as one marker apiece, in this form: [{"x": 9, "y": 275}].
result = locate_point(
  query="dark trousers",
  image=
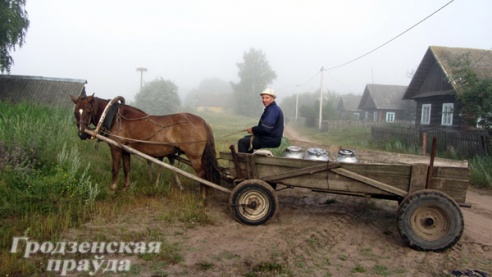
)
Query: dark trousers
[{"x": 244, "y": 143}]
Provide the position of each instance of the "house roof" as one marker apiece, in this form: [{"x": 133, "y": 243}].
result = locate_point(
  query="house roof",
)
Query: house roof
[
  {"x": 349, "y": 102},
  {"x": 383, "y": 97},
  {"x": 43, "y": 90},
  {"x": 444, "y": 57}
]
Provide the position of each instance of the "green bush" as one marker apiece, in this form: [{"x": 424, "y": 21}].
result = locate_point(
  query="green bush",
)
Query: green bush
[{"x": 481, "y": 175}]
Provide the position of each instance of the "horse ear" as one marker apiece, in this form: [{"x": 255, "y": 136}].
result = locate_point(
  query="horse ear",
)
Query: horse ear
[{"x": 74, "y": 100}]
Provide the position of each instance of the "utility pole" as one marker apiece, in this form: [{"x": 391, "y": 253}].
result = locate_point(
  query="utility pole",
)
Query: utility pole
[
  {"x": 142, "y": 70},
  {"x": 297, "y": 100},
  {"x": 321, "y": 99}
]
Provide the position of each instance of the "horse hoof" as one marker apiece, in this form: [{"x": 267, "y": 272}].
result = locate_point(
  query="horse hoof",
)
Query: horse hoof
[{"x": 112, "y": 187}]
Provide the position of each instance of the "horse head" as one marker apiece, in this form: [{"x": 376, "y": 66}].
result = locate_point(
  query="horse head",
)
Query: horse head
[{"x": 85, "y": 113}]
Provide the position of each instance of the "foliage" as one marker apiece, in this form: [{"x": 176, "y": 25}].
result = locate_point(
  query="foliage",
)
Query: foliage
[
  {"x": 158, "y": 97},
  {"x": 308, "y": 105},
  {"x": 207, "y": 88},
  {"x": 13, "y": 28},
  {"x": 255, "y": 74},
  {"x": 481, "y": 176},
  {"x": 474, "y": 93}
]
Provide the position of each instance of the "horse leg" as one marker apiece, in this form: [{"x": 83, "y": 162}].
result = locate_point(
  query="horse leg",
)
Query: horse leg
[
  {"x": 116, "y": 155},
  {"x": 126, "y": 169},
  {"x": 149, "y": 170},
  {"x": 197, "y": 166},
  {"x": 176, "y": 177}
]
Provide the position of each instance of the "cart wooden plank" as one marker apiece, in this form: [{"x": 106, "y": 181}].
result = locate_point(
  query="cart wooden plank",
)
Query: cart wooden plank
[{"x": 369, "y": 181}]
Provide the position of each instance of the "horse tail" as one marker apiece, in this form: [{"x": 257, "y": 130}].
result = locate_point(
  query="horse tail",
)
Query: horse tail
[{"x": 209, "y": 158}]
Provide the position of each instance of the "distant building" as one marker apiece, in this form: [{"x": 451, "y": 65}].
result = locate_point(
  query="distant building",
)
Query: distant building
[
  {"x": 42, "y": 90},
  {"x": 435, "y": 95},
  {"x": 348, "y": 107},
  {"x": 384, "y": 103},
  {"x": 217, "y": 102}
]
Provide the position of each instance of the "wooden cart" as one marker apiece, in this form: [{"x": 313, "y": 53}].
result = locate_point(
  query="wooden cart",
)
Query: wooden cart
[{"x": 428, "y": 217}]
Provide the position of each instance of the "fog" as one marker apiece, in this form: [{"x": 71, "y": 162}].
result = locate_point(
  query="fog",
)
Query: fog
[{"x": 105, "y": 41}]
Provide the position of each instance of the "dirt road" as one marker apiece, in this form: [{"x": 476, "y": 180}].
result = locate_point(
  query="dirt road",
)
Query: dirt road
[
  {"x": 317, "y": 234},
  {"x": 314, "y": 234}
]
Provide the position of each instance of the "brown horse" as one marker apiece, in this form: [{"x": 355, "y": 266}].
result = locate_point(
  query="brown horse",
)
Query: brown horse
[{"x": 158, "y": 136}]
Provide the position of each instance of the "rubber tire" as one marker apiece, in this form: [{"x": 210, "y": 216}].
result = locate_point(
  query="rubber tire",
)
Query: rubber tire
[
  {"x": 253, "y": 191},
  {"x": 430, "y": 220}
]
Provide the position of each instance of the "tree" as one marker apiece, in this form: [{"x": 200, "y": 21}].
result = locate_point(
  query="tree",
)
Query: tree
[
  {"x": 13, "y": 28},
  {"x": 476, "y": 100},
  {"x": 158, "y": 97},
  {"x": 255, "y": 74},
  {"x": 474, "y": 93},
  {"x": 210, "y": 87},
  {"x": 308, "y": 106}
]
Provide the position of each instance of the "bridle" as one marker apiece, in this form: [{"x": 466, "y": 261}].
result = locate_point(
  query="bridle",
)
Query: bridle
[{"x": 91, "y": 118}]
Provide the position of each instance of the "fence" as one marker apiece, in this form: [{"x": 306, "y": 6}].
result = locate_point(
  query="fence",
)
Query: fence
[{"x": 463, "y": 143}]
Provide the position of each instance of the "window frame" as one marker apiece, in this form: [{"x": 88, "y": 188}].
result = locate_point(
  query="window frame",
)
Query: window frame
[
  {"x": 447, "y": 114},
  {"x": 425, "y": 114},
  {"x": 392, "y": 115}
]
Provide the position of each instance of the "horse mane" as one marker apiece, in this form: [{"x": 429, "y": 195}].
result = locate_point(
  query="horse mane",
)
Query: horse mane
[{"x": 124, "y": 106}]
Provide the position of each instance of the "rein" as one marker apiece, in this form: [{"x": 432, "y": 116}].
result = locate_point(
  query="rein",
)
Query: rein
[
  {"x": 237, "y": 132},
  {"x": 157, "y": 142},
  {"x": 147, "y": 118}
]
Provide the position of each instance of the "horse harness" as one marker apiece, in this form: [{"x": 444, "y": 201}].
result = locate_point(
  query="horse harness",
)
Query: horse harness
[{"x": 112, "y": 112}]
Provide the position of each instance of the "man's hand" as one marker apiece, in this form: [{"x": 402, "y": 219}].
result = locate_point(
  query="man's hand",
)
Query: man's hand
[{"x": 250, "y": 130}]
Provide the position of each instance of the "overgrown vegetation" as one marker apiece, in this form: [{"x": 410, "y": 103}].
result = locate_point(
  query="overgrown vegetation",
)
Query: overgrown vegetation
[{"x": 51, "y": 181}]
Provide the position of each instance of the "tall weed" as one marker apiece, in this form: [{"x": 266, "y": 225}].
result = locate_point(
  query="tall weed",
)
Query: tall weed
[{"x": 481, "y": 173}]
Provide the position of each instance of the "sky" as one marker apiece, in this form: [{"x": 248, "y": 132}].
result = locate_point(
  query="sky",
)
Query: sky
[{"x": 187, "y": 41}]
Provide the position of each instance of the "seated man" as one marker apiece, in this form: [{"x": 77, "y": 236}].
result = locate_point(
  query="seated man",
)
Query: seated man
[{"x": 269, "y": 131}]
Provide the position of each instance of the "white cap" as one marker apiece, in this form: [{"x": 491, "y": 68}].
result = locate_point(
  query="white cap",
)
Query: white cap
[{"x": 269, "y": 91}]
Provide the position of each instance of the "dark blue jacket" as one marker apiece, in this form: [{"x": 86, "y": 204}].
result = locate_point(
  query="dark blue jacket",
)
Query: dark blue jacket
[{"x": 270, "y": 128}]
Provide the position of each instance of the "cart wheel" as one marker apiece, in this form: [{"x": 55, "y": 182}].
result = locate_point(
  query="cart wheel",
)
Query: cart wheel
[
  {"x": 430, "y": 220},
  {"x": 253, "y": 202}
]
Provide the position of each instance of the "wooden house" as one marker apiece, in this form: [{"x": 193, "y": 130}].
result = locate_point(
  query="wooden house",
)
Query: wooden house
[
  {"x": 433, "y": 91},
  {"x": 41, "y": 90},
  {"x": 384, "y": 103},
  {"x": 348, "y": 107}
]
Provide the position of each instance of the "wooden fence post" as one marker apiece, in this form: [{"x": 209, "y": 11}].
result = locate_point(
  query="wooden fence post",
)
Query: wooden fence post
[{"x": 424, "y": 143}]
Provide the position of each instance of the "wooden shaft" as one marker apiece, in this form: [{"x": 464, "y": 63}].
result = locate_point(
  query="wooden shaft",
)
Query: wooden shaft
[{"x": 154, "y": 160}]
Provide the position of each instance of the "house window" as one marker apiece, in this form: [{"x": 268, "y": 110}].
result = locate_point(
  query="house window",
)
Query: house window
[
  {"x": 426, "y": 112},
  {"x": 390, "y": 117},
  {"x": 366, "y": 115},
  {"x": 375, "y": 116},
  {"x": 356, "y": 116},
  {"x": 447, "y": 114}
]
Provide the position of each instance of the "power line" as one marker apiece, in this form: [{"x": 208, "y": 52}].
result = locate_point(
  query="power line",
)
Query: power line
[
  {"x": 415, "y": 25},
  {"x": 382, "y": 45},
  {"x": 305, "y": 83}
]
